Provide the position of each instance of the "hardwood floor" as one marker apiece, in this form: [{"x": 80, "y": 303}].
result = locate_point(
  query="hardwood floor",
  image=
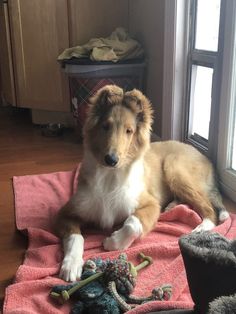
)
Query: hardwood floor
[{"x": 23, "y": 150}]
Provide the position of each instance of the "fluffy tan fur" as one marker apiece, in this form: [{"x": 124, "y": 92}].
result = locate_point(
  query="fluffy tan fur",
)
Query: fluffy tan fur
[{"x": 144, "y": 178}]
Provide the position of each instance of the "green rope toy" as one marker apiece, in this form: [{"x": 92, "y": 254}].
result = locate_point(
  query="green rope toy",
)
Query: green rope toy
[{"x": 108, "y": 283}]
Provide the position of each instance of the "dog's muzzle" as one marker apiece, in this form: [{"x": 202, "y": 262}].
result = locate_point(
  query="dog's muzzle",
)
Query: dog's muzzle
[{"x": 111, "y": 160}]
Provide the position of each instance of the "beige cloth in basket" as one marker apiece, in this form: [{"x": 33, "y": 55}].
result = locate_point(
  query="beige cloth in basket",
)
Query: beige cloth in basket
[{"x": 118, "y": 46}]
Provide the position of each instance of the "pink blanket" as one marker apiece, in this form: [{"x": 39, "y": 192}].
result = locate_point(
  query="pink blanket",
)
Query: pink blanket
[{"x": 38, "y": 197}]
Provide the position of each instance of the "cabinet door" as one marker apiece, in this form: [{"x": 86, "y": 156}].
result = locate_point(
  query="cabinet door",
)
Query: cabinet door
[
  {"x": 93, "y": 18},
  {"x": 7, "y": 78},
  {"x": 39, "y": 32}
]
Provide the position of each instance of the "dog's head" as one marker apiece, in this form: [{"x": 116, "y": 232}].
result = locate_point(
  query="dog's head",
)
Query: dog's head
[{"x": 118, "y": 126}]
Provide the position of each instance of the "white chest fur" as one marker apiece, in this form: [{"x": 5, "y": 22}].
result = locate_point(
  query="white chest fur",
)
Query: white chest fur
[{"x": 111, "y": 195}]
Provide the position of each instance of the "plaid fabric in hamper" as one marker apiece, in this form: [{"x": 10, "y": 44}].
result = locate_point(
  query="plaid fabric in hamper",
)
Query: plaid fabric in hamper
[{"x": 81, "y": 89}]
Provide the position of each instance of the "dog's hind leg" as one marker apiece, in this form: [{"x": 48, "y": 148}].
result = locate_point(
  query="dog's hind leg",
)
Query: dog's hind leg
[
  {"x": 135, "y": 226},
  {"x": 193, "y": 193},
  {"x": 216, "y": 201},
  {"x": 68, "y": 229}
]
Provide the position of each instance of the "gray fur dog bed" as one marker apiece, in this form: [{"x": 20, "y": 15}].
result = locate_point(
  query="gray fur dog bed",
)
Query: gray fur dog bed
[{"x": 210, "y": 263}]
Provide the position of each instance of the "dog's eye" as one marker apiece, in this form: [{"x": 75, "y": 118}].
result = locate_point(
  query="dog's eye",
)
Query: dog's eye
[
  {"x": 129, "y": 131},
  {"x": 106, "y": 126}
]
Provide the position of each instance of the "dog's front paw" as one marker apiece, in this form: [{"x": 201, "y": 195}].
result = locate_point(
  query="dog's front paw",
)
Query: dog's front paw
[
  {"x": 119, "y": 240},
  {"x": 124, "y": 237},
  {"x": 206, "y": 225},
  {"x": 71, "y": 268}
]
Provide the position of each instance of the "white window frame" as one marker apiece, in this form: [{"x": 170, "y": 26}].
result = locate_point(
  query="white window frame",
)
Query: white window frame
[
  {"x": 212, "y": 60},
  {"x": 176, "y": 39},
  {"x": 175, "y": 67},
  {"x": 227, "y": 176}
]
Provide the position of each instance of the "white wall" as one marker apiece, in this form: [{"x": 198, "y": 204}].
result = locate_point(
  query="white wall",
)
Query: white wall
[{"x": 146, "y": 23}]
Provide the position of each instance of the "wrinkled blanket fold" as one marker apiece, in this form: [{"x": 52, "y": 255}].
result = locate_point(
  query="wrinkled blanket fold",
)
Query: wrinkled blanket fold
[{"x": 37, "y": 199}]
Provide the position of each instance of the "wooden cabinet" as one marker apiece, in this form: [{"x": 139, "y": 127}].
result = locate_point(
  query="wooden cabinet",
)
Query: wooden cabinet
[
  {"x": 33, "y": 34},
  {"x": 6, "y": 65},
  {"x": 39, "y": 33},
  {"x": 95, "y": 18}
]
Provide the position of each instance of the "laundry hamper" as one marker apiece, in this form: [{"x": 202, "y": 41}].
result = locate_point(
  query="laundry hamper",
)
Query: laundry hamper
[{"x": 86, "y": 77}]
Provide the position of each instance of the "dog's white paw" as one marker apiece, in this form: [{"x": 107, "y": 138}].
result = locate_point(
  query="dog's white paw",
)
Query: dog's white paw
[
  {"x": 206, "y": 225},
  {"x": 124, "y": 237},
  {"x": 71, "y": 268},
  {"x": 119, "y": 240},
  {"x": 224, "y": 215},
  {"x": 72, "y": 263}
]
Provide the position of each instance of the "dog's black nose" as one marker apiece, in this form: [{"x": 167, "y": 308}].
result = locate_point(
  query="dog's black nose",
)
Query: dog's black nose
[{"x": 111, "y": 160}]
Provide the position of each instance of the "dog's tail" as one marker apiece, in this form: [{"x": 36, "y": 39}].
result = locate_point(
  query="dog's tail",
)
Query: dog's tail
[{"x": 216, "y": 201}]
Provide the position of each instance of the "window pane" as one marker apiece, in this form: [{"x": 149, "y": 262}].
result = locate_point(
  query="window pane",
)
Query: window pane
[
  {"x": 207, "y": 24},
  {"x": 200, "y": 102}
]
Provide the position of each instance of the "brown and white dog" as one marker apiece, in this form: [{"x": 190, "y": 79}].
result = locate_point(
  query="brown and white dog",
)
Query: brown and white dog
[{"x": 126, "y": 180}]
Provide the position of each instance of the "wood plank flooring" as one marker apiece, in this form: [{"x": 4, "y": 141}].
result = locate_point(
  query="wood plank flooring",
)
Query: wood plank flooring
[{"x": 24, "y": 151}]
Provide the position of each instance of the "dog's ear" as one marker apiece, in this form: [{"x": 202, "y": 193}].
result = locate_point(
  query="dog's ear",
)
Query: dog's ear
[
  {"x": 139, "y": 104},
  {"x": 107, "y": 96},
  {"x": 101, "y": 102}
]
